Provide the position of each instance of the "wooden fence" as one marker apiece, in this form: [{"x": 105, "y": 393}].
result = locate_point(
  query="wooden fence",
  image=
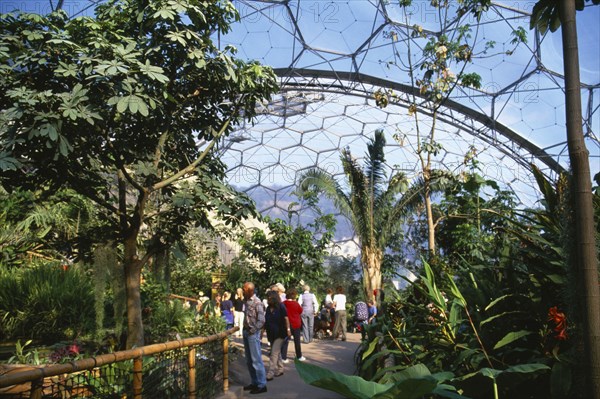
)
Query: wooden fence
[{"x": 190, "y": 368}]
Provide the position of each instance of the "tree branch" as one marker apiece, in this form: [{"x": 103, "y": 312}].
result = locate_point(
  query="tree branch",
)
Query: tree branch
[
  {"x": 192, "y": 166},
  {"x": 121, "y": 166},
  {"x": 159, "y": 148}
]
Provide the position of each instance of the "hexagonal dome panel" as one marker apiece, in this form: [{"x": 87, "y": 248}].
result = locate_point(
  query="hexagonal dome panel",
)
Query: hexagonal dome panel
[{"x": 334, "y": 57}]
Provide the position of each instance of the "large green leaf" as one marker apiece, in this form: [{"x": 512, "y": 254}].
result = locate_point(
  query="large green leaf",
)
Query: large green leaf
[
  {"x": 411, "y": 383},
  {"x": 372, "y": 347},
  {"x": 561, "y": 381},
  {"x": 511, "y": 337},
  {"x": 528, "y": 370},
  {"x": 349, "y": 386},
  {"x": 499, "y": 316}
]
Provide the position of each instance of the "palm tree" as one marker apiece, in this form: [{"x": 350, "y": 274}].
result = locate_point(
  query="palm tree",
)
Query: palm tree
[{"x": 374, "y": 210}]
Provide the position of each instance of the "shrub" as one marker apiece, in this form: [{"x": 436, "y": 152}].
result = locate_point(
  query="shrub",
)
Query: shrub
[
  {"x": 45, "y": 303},
  {"x": 165, "y": 319}
]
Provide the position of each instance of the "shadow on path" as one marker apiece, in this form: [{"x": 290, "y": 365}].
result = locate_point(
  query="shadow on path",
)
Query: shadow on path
[{"x": 333, "y": 355}]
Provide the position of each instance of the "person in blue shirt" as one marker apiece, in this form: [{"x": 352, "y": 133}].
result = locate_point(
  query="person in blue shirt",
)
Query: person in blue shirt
[
  {"x": 372, "y": 311},
  {"x": 227, "y": 310}
]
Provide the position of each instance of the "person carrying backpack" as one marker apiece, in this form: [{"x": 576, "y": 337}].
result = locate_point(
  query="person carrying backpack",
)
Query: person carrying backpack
[{"x": 361, "y": 311}]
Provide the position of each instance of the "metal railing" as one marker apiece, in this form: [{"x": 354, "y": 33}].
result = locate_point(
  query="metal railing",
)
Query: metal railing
[{"x": 191, "y": 368}]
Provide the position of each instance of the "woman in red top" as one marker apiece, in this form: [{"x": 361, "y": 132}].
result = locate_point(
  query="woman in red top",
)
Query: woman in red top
[{"x": 294, "y": 310}]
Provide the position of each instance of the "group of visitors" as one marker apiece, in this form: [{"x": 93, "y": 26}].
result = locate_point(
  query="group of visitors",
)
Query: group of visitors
[{"x": 284, "y": 316}]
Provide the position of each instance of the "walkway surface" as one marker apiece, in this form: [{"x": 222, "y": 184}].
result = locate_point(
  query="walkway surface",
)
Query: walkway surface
[{"x": 333, "y": 355}]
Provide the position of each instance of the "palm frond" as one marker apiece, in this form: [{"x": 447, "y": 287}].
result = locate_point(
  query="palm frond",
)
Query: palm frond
[
  {"x": 374, "y": 167},
  {"x": 547, "y": 189},
  {"x": 390, "y": 219},
  {"x": 360, "y": 196},
  {"x": 316, "y": 180},
  {"x": 397, "y": 185}
]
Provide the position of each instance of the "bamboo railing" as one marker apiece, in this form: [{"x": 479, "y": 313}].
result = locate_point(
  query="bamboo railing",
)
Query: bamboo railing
[{"x": 183, "y": 365}]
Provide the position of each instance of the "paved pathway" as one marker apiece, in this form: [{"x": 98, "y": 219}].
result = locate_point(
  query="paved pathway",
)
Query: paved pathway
[{"x": 334, "y": 355}]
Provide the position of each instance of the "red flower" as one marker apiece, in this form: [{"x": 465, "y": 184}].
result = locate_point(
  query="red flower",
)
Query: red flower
[
  {"x": 562, "y": 335},
  {"x": 74, "y": 349},
  {"x": 560, "y": 323}
]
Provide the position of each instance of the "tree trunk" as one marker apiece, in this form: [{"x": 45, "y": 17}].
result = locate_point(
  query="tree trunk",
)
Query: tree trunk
[
  {"x": 160, "y": 265},
  {"x": 133, "y": 273},
  {"x": 586, "y": 255},
  {"x": 371, "y": 262},
  {"x": 430, "y": 224}
]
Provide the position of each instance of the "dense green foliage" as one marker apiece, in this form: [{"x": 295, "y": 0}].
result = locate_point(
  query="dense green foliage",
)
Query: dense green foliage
[
  {"x": 46, "y": 303},
  {"x": 61, "y": 226},
  {"x": 169, "y": 319},
  {"x": 501, "y": 315},
  {"x": 288, "y": 254},
  {"x": 125, "y": 109}
]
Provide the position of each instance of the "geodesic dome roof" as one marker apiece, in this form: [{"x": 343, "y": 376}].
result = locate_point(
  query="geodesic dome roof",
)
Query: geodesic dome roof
[{"x": 333, "y": 57}]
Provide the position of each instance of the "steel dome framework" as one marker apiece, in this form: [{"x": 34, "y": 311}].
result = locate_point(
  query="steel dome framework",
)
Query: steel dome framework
[{"x": 332, "y": 57}]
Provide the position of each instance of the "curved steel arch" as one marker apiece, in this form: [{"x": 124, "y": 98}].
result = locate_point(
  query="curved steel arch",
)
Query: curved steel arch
[{"x": 362, "y": 85}]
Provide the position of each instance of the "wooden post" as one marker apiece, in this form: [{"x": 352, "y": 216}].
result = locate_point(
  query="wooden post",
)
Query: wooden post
[
  {"x": 137, "y": 377},
  {"x": 225, "y": 364},
  {"x": 37, "y": 387},
  {"x": 192, "y": 373}
]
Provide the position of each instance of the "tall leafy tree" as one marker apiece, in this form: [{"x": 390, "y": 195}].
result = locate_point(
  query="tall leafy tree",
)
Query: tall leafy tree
[
  {"x": 373, "y": 205},
  {"x": 446, "y": 54},
  {"x": 287, "y": 254},
  {"x": 125, "y": 108},
  {"x": 554, "y": 14}
]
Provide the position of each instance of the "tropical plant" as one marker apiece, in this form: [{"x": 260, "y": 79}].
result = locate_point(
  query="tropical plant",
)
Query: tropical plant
[
  {"x": 111, "y": 380},
  {"x": 443, "y": 63},
  {"x": 45, "y": 303},
  {"x": 511, "y": 268},
  {"x": 194, "y": 258},
  {"x": 166, "y": 319},
  {"x": 35, "y": 224},
  {"x": 125, "y": 108},
  {"x": 438, "y": 327},
  {"x": 372, "y": 206},
  {"x": 412, "y": 383},
  {"x": 14, "y": 243},
  {"x": 239, "y": 271},
  {"x": 23, "y": 356},
  {"x": 546, "y": 245},
  {"x": 508, "y": 306},
  {"x": 288, "y": 254}
]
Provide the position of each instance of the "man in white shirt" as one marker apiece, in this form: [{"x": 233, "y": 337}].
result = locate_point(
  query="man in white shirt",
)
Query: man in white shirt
[
  {"x": 339, "y": 303},
  {"x": 310, "y": 307}
]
